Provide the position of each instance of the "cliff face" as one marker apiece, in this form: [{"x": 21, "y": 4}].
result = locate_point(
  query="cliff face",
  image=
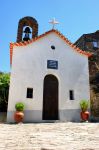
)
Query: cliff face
[{"x": 90, "y": 42}]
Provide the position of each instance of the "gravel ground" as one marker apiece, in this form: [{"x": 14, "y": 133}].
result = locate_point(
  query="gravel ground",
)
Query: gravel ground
[{"x": 49, "y": 136}]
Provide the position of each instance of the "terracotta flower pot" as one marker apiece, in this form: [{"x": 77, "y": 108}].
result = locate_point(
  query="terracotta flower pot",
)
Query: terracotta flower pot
[
  {"x": 84, "y": 115},
  {"x": 18, "y": 116}
]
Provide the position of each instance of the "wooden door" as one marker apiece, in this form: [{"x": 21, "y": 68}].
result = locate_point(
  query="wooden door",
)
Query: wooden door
[{"x": 50, "y": 98}]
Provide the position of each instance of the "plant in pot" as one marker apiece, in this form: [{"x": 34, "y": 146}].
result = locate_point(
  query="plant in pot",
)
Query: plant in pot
[
  {"x": 84, "y": 104},
  {"x": 19, "y": 114}
]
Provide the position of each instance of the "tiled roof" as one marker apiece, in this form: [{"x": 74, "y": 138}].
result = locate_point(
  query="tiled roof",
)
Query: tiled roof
[{"x": 46, "y": 33}]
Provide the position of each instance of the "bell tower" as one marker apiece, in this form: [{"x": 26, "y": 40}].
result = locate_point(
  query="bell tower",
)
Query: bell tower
[{"x": 27, "y": 26}]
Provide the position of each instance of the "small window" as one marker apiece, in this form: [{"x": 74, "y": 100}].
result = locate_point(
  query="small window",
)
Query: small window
[
  {"x": 71, "y": 95},
  {"x": 95, "y": 44},
  {"x": 53, "y": 47},
  {"x": 29, "y": 92}
]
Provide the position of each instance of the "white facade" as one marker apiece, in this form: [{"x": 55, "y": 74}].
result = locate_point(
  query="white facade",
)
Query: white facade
[{"x": 29, "y": 68}]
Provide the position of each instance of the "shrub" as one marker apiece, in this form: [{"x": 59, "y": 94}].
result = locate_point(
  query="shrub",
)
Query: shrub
[
  {"x": 19, "y": 106},
  {"x": 84, "y": 104},
  {"x": 4, "y": 90}
]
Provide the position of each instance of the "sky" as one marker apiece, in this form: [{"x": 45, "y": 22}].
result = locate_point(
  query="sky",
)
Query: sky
[{"x": 75, "y": 17}]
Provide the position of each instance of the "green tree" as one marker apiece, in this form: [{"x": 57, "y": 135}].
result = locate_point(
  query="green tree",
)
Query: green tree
[{"x": 4, "y": 90}]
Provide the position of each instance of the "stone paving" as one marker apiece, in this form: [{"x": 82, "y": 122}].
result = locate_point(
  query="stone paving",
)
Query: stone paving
[{"x": 49, "y": 136}]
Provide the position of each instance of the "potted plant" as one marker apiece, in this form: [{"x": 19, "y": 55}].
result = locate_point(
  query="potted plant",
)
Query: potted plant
[
  {"x": 84, "y": 104},
  {"x": 19, "y": 114}
]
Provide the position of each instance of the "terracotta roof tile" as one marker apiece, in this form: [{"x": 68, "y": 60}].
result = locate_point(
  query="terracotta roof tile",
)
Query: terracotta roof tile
[{"x": 88, "y": 54}]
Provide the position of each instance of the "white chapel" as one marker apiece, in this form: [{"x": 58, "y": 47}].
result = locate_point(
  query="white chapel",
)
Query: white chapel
[{"x": 49, "y": 75}]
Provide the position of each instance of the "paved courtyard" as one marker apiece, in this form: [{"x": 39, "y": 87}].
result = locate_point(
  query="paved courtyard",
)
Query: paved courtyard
[{"x": 49, "y": 136}]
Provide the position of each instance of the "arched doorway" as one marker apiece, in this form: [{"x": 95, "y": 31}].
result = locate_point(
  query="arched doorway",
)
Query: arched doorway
[{"x": 50, "y": 98}]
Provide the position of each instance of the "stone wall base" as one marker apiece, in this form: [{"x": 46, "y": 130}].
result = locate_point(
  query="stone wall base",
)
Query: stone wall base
[{"x": 31, "y": 116}]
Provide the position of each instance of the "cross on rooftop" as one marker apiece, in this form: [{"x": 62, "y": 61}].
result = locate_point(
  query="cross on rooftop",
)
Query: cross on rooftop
[{"x": 53, "y": 22}]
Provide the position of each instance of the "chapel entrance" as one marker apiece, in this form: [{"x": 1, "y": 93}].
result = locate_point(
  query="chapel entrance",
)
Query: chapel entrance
[{"x": 50, "y": 98}]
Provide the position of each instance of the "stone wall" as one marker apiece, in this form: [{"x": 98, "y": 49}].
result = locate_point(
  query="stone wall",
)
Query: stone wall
[
  {"x": 3, "y": 116},
  {"x": 85, "y": 42}
]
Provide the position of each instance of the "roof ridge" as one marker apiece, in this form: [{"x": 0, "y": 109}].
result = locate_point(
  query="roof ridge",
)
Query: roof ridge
[{"x": 88, "y": 54}]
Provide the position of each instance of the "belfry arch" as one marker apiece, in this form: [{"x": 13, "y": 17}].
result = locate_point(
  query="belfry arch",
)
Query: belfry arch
[{"x": 30, "y": 22}]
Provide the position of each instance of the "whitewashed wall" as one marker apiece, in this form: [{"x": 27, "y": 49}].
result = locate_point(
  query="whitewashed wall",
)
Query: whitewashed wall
[{"x": 29, "y": 67}]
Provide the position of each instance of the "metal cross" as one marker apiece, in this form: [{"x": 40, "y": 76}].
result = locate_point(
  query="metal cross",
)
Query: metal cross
[{"x": 53, "y": 22}]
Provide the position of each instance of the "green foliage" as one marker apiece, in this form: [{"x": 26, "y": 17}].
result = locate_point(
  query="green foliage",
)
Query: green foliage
[
  {"x": 4, "y": 90},
  {"x": 84, "y": 104},
  {"x": 19, "y": 106}
]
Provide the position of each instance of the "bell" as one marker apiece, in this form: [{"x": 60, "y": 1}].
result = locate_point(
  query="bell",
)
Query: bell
[{"x": 27, "y": 32}]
